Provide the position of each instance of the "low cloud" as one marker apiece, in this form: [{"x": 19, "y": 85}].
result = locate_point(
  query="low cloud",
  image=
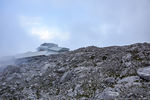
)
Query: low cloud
[
  {"x": 48, "y": 34},
  {"x": 36, "y": 28},
  {"x": 72, "y": 23}
]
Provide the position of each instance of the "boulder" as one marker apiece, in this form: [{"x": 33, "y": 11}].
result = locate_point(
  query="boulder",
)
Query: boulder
[
  {"x": 108, "y": 94},
  {"x": 144, "y": 73},
  {"x": 110, "y": 80},
  {"x": 129, "y": 79}
]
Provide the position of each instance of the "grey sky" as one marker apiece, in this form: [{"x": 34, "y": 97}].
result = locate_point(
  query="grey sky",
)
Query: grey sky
[{"x": 25, "y": 24}]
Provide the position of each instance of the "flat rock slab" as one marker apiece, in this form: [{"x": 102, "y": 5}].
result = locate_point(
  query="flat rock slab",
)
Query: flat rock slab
[
  {"x": 66, "y": 76},
  {"x": 129, "y": 79},
  {"x": 144, "y": 73},
  {"x": 108, "y": 95}
]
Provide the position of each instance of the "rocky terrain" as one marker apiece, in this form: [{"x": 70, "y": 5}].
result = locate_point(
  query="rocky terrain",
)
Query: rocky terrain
[{"x": 91, "y": 73}]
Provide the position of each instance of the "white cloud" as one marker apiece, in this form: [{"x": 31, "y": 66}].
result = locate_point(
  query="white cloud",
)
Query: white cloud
[
  {"x": 43, "y": 34},
  {"x": 36, "y": 28},
  {"x": 46, "y": 34}
]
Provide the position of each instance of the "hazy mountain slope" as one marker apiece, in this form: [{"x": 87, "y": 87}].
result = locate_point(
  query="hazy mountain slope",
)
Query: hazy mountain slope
[{"x": 87, "y": 73}]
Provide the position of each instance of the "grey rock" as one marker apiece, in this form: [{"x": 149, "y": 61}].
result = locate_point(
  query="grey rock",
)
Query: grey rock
[
  {"x": 108, "y": 95},
  {"x": 144, "y": 73},
  {"x": 61, "y": 70},
  {"x": 66, "y": 76},
  {"x": 129, "y": 79},
  {"x": 82, "y": 74},
  {"x": 70, "y": 93},
  {"x": 110, "y": 80}
]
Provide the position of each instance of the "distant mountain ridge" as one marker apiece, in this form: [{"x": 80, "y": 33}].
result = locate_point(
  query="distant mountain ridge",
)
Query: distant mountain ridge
[{"x": 44, "y": 49}]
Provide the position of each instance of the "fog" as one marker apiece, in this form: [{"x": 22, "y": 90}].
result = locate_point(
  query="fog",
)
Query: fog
[
  {"x": 25, "y": 24},
  {"x": 5, "y": 61}
]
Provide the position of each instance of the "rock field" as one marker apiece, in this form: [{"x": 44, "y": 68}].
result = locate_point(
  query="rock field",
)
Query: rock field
[{"x": 90, "y": 73}]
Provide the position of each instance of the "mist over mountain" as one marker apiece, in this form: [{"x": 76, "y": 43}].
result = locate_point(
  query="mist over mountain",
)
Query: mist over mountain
[
  {"x": 90, "y": 50},
  {"x": 25, "y": 24},
  {"x": 44, "y": 49},
  {"x": 88, "y": 73}
]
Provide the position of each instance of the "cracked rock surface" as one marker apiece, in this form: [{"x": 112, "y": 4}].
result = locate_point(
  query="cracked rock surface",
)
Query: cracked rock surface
[{"x": 91, "y": 73}]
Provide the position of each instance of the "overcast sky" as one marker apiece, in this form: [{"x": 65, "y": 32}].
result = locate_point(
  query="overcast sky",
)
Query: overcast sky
[{"x": 25, "y": 24}]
